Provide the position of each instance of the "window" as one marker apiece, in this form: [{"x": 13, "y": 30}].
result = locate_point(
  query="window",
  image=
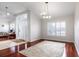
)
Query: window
[{"x": 57, "y": 28}]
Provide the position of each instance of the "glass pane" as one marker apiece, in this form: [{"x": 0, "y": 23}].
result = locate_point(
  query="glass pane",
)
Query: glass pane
[
  {"x": 53, "y": 33},
  {"x": 51, "y": 28},
  {"x": 53, "y": 24},
  {"x": 58, "y": 26},
  {"x": 63, "y": 33},
  {"x": 63, "y": 25},
  {"x": 58, "y": 33},
  {"x": 63, "y": 29}
]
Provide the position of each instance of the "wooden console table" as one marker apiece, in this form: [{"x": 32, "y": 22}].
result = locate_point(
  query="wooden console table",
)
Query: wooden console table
[
  {"x": 7, "y": 37},
  {"x": 4, "y": 37},
  {"x": 12, "y": 36}
]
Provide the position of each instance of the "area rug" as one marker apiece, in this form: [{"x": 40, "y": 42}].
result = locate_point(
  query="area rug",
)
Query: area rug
[{"x": 45, "y": 49}]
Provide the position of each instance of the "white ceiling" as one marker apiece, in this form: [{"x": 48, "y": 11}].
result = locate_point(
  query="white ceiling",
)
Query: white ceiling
[{"x": 56, "y": 9}]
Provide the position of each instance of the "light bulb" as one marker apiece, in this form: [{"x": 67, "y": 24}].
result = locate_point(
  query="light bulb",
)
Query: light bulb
[
  {"x": 8, "y": 13},
  {"x": 46, "y": 17},
  {"x": 43, "y": 13},
  {"x": 49, "y": 17}
]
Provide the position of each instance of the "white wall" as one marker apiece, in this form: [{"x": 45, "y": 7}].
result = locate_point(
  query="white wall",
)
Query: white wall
[
  {"x": 5, "y": 28},
  {"x": 5, "y": 21},
  {"x": 77, "y": 28},
  {"x": 35, "y": 29},
  {"x": 69, "y": 29}
]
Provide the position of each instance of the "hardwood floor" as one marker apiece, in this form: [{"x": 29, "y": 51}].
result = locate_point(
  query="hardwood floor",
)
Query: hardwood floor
[
  {"x": 69, "y": 47},
  {"x": 29, "y": 44},
  {"x": 12, "y": 52},
  {"x": 70, "y": 50},
  {"x": 16, "y": 55}
]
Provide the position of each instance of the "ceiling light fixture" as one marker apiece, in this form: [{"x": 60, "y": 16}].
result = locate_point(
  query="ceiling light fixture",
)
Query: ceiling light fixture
[
  {"x": 45, "y": 14},
  {"x": 4, "y": 11},
  {"x": 7, "y": 13}
]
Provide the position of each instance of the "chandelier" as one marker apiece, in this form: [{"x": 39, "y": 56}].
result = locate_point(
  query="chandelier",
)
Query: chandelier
[
  {"x": 5, "y": 12},
  {"x": 45, "y": 13}
]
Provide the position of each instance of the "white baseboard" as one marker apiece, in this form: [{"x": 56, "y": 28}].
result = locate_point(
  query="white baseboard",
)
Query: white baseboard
[{"x": 76, "y": 49}]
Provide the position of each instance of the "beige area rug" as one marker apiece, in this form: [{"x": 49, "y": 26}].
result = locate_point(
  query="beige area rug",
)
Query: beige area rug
[{"x": 45, "y": 49}]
